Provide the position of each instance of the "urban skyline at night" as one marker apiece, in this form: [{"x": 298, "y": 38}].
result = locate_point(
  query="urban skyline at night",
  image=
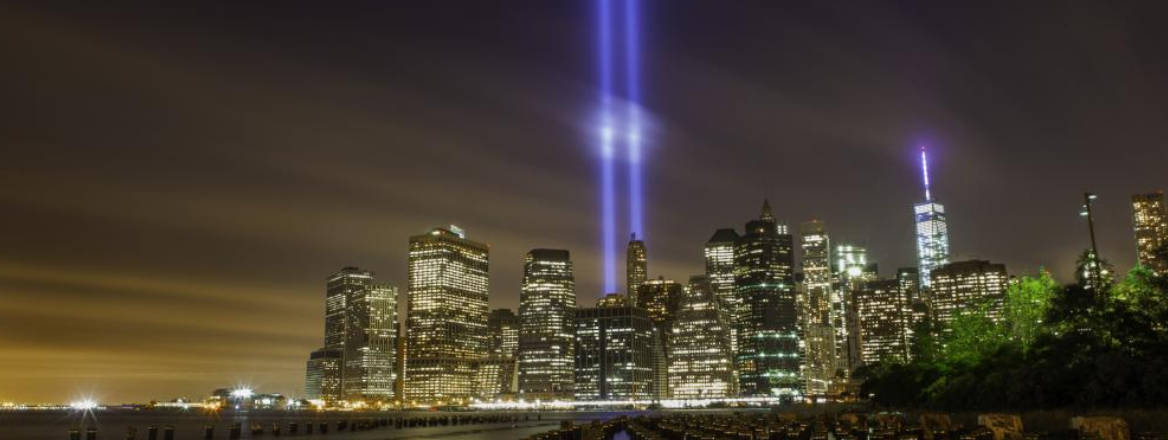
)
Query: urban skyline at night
[{"x": 292, "y": 198}]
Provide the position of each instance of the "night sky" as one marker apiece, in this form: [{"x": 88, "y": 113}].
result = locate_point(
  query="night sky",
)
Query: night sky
[{"x": 177, "y": 181}]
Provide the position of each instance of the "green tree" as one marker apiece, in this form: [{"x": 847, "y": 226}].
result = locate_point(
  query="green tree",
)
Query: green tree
[
  {"x": 1025, "y": 307},
  {"x": 971, "y": 336}
]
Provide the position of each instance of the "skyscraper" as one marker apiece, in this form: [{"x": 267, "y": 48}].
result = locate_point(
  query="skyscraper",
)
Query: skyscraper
[
  {"x": 852, "y": 270},
  {"x": 614, "y": 352},
  {"x": 965, "y": 285},
  {"x": 547, "y": 313},
  {"x": 768, "y": 357},
  {"x": 497, "y": 375},
  {"x": 446, "y": 323},
  {"x": 661, "y": 298},
  {"x": 636, "y": 266},
  {"x": 882, "y": 310},
  {"x": 700, "y": 359},
  {"x": 370, "y": 341},
  {"x": 1150, "y": 224},
  {"x": 816, "y": 313},
  {"x": 932, "y": 230},
  {"x": 322, "y": 379},
  {"x": 719, "y": 253},
  {"x": 357, "y": 360},
  {"x": 503, "y": 333}
]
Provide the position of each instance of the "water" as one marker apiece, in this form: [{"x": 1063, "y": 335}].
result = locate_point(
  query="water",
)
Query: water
[{"x": 189, "y": 425}]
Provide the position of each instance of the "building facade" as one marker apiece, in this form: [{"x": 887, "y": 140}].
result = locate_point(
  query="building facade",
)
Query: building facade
[
  {"x": 370, "y": 348},
  {"x": 614, "y": 352},
  {"x": 1150, "y": 225},
  {"x": 719, "y": 254},
  {"x": 322, "y": 380},
  {"x": 357, "y": 360},
  {"x": 701, "y": 363},
  {"x": 768, "y": 359},
  {"x": 815, "y": 305},
  {"x": 882, "y": 309},
  {"x": 965, "y": 285},
  {"x": 446, "y": 323},
  {"x": 636, "y": 266},
  {"x": 932, "y": 230},
  {"x": 547, "y": 312}
]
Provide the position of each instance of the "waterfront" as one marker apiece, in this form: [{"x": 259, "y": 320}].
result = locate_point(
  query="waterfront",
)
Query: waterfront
[{"x": 190, "y": 424}]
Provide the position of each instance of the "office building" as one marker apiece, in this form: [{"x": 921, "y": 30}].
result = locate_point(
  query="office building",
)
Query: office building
[
  {"x": 719, "y": 253},
  {"x": 322, "y": 379},
  {"x": 446, "y": 320},
  {"x": 701, "y": 363},
  {"x": 636, "y": 266},
  {"x": 547, "y": 314},
  {"x": 1150, "y": 224},
  {"x": 966, "y": 286},
  {"x": 932, "y": 230},
  {"x": 882, "y": 310},
  {"x": 370, "y": 346},
  {"x": 769, "y": 356},
  {"x": 815, "y": 304},
  {"x": 614, "y": 352}
]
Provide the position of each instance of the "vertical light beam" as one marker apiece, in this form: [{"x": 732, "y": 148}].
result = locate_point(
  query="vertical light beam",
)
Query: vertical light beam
[
  {"x": 608, "y": 208},
  {"x": 633, "y": 124},
  {"x": 925, "y": 172}
]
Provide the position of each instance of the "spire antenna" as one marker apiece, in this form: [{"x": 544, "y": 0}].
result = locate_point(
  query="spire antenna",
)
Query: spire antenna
[{"x": 925, "y": 172}]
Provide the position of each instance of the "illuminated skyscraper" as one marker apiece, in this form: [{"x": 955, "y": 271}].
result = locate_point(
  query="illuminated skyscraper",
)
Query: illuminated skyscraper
[
  {"x": 497, "y": 375},
  {"x": 964, "y": 285},
  {"x": 932, "y": 230},
  {"x": 719, "y": 255},
  {"x": 882, "y": 310},
  {"x": 503, "y": 331},
  {"x": 661, "y": 298},
  {"x": 370, "y": 340},
  {"x": 815, "y": 303},
  {"x": 700, "y": 359},
  {"x": 322, "y": 379},
  {"x": 547, "y": 312},
  {"x": 852, "y": 270},
  {"x": 357, "y": 361},
  {"x": 1150, "y": 223},
  {"x": 614, "y": 352},
  {"x": 769, "y": 357},
  {"x": 446, "y": 323},
  {"x": 919, "y": 306},
  {"x": 636, "y": 266}
]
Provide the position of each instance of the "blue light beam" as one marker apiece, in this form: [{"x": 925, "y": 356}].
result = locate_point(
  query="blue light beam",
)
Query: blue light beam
[
  {"x": 608, "y": 206},
  {"x": 633, "y": 124}
]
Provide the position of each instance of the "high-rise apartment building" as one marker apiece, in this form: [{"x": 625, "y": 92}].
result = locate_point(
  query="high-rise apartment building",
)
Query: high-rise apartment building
[
  {"x": 1150, "y": 224},
  {"x": 769, "y": 357},
  {"x": 815, "y": 304},
  {"x": 547, "y": 312},
  {"x": 357, "y": 360},
  {"x": 719, "y": 253},
  {"x": 882, "y": 311},
  {"x": 636, "y": 266},
  {"x": 446, "y": 318},
  {"x": 965, "y": 285},
  {"x": 932, "y": 230},
  {"x": 614, "y": 352},
  {"x": 701, "y": 363}
]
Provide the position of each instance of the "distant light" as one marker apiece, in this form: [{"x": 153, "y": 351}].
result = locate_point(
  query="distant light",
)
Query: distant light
[
  {"x": 84, "y": 405},
  {"x": 241, "y": 393}
]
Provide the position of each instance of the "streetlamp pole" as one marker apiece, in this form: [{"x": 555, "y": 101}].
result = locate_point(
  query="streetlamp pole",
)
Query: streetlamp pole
[{"x": 1088, "y": 197}]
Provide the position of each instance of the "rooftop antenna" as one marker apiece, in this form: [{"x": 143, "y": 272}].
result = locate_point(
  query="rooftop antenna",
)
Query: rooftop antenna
[{"x": 925, "y": 172}]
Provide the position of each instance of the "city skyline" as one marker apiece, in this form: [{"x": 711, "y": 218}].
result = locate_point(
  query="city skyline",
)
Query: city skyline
[{"x": 265, "y": 165}]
